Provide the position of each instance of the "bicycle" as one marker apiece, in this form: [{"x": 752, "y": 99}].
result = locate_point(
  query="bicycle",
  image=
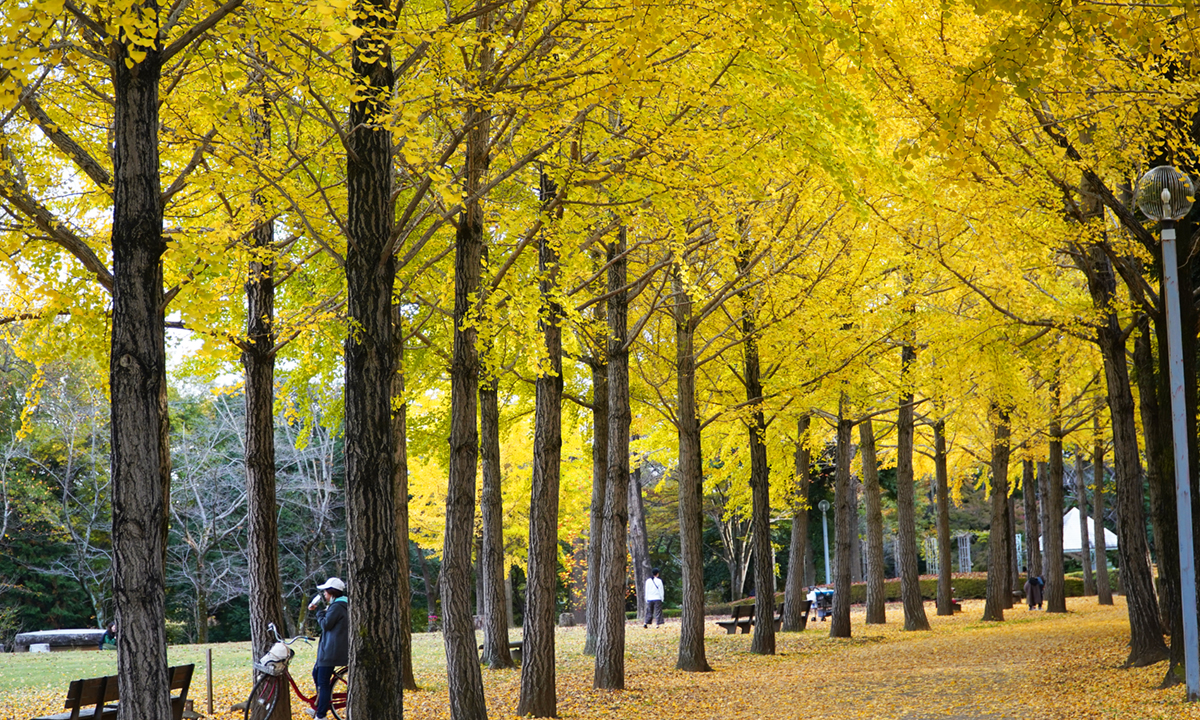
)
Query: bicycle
[{"x": 274, "y": 669}]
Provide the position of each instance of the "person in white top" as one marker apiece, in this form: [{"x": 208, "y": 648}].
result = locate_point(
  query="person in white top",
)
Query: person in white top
[{"x": 654, "y": 599}]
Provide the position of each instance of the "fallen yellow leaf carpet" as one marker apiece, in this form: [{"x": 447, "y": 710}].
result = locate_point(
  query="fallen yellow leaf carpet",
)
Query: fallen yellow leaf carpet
[{"x": 1033, "y": 665}]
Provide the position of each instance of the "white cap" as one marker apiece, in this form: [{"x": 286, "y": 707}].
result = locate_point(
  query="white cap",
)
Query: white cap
[{"x": 333, "y": 584}]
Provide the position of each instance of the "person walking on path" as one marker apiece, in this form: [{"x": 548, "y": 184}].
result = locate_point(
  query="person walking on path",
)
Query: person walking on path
[
  {"x": 654, "y": 599},
  {"x": 1033, "y": 592},
  {"x": 333, "y": 649}
]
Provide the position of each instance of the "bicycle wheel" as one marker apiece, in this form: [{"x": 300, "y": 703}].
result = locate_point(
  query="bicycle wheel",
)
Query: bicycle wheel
[
  {"x": 263, "y": 697},
  {"x": 338, "y": 707}
]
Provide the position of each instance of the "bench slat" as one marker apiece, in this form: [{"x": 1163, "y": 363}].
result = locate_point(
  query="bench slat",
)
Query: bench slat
[{"x": 96, "y": 698}]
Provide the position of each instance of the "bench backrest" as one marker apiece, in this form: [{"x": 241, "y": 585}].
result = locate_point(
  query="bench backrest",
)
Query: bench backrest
[
  {"x": 91, "y": 692},
  {"x": 100, "y": 691},
  {"x": 181, "y": 680}
]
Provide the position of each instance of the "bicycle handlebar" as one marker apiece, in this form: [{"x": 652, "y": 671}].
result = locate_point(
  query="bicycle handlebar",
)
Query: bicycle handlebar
[{"x": 286, "y": 641}]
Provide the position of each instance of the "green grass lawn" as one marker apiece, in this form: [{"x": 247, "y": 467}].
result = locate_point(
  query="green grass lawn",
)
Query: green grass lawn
[{"x": 39, "y": 673}]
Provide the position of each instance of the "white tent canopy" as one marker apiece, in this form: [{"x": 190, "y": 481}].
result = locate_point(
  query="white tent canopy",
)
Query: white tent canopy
[{"x": 1071, "y": 534}]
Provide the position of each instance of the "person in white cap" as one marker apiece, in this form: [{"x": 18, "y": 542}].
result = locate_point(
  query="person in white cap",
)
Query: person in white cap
[{"x": 333, "y": 649}]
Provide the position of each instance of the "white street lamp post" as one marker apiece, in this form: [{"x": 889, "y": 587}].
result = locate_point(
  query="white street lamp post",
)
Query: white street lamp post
[
  {"x": 1165, "y": 194},
  {"x": 824, "y": 507}
]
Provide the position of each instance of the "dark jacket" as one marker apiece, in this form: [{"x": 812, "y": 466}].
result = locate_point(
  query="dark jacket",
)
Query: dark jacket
[
  {"x": 333, "y": 649},
  {"x": 1033, "y": 591}
]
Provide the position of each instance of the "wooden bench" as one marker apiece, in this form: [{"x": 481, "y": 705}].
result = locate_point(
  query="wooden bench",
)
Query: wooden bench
[
  {"x": 516, "y": 649},
  {"x": 738, "y": 621},
  {"x": 97, "y": 698}
]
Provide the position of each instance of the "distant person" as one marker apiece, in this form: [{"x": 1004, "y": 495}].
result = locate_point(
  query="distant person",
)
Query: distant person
[
  {"x": 109, "y": 639},
  {"x": 654, "y": 599},
  {"x": 333, "y": 649},
  {"x": 1033, "y": 592}
]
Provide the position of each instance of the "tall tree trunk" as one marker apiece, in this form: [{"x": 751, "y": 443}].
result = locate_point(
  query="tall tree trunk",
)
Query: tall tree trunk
[
  {"x": 599, "y": 484},
  {"x": 1006, "y": 593},
  {"x": 945, "y": 596},
  {"x": 1145, "y": 622},
  {"x": 258, "y": 365},
  {"x": 478, "y": 618},
  {"x": 692, "y": 656},
  {"x": 799, "y": 549},
  {"x": 491, "y": 506},
  {"x": 432, "y": 591},
  {"x": 1033, "y": 532},
  {"x": 906, "y": 514},
  {"x": 465, "y": 682},
  {"x": 1103, "y": 590},
  {"x": 1014, "y": 574},
  {"x": 1056, "y": 600},
  {"x": 1160, "y": 476},
  {"x": 1085, "y": 545},
  {"x": 839, "y": 625},
  {"x": 876, "y": 614},
  {"x": 856, "y": 550},
  {"x": 997, "y": 577},
  {"x": 610, "y": 638},
  {"x": 137, "y": 375},
  {"x": 639, "y": 548},
  {"x": 763, "y": 642},
  {"x": 539, "y": 695},
  {"x": 400, "y": 489},
  {"x": 1185, "y": 256},
  {"x": 492, "y": 575},
  {"x": 377, "y": 683}
]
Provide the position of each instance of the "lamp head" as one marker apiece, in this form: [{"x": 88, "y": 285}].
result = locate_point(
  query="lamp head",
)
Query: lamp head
[{"x": 1165, "y": 193}]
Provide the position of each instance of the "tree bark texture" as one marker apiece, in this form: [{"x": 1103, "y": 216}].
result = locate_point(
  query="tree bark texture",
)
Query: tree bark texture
[
  {"x": 763, "y": 642},
  {"x": 945, "y": 596},
  {"x": 1103, "y": 589},
  {"x": 539, "y": 696},
  {"x": 1160, "y": 476},
  {"x": 599, "y": 484},
  {"x": 1185, "y": 252},
  {"x": 798, "y": 549},
  {"x": 839, "y": 625},
  {"x": 400, "y": 490},
  {"x": 997, "y": 579},
  {"x": 610, "y": 638},
  {"x": 1029, "y": 492},
  {"x": 692, "y": 656},
  {"x": 856, "y": 549},
  {"x": 491, "y": 506},
  {"x": 1146, "y": 644},
  {"x": 906, "y": 514},
  {"x": 639, "y": 548},
  {"x": 258, "y": 365},
  {"x": 432, "y": 585},
  {"x": 376, "y": 681},
  {"x": 1085, "y": 545},
  {"x": 137, "y": 375},
  {"x": 1056, "y": 600},
  {"x": 465, "y": 682},
  {"x": 1010, "y": 555},
  {"x": 876, "y": 613}
]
